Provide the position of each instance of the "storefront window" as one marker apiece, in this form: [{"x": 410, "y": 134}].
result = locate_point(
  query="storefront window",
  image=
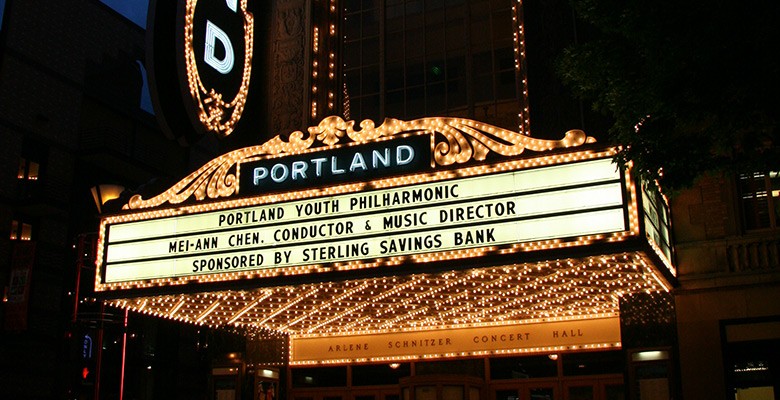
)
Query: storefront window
[
  {"x": 427, "y": 55},
  {"x": 523, "y": 367},
  {"x": 751, "y": 355},
  {"x": 319, "y": 377},
  {"x": 596, "y": 363},
  {"x": 28, "y": 170},
  {"x": 379, "y": 374},
  {"x": 20, "y": 230},
  {"x": 474, "y": 368}
]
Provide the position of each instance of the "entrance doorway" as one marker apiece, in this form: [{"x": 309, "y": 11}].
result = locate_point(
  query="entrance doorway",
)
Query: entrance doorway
[
  {"x": 373, "y": 393},
  {"x": 441, "y": 387},
  {"x": 592, "y": 388},
  {"x": 528, "y": 391}
]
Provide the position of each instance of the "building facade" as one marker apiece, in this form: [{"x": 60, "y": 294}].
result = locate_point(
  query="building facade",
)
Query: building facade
[
  {"x": 71, "y": 118},
  {"x": 727, "y": 316},
  {"x": 72, "y": 115}
]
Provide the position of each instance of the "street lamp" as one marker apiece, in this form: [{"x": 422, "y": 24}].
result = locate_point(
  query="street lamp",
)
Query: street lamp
[
  {"x": 101, "y": 194},
  {"x": 105, "y": 192}
]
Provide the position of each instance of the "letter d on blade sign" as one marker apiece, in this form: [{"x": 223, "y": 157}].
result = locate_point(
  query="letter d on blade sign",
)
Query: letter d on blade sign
[
  {"x": 213, "y": 33},
  {"x": 199, "y": 64},
  {"x": 218, "y": 36}
]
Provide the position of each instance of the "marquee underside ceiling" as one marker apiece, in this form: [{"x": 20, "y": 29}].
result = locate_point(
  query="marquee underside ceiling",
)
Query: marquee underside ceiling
[{"x": 540, "y": 291}]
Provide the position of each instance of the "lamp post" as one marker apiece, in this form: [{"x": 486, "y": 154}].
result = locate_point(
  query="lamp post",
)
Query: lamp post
[
  {"x": 85, "y": 248},
  {"x": 103, "y": 193}
]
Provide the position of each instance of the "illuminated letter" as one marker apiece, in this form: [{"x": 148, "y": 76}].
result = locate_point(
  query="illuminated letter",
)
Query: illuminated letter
[
  {"x": 274, "y": 173},
  {"x": 399, "y": 156},
  {"x": 299, "y": 168},
  {"x": 224, "y": 65},
  {"x": 384, "y": 159},
  {"x": 318, "y": 165},
  {"x": 334, "y": 169},
  {"x": 260, "y": 174},
  {"x": 357, "y": 162},
  {"x": 232, "y": 5}
]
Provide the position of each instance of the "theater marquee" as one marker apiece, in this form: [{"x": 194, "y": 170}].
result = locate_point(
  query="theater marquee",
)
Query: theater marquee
[
  {"x": 420, "y": 239},
  {"x": 416, "y": 209}
]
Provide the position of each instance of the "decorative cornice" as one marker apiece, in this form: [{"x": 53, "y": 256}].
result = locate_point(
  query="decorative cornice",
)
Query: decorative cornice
[{"x": 456, "y": 141}]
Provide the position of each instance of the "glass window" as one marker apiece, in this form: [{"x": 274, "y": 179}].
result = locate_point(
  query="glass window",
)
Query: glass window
[
  {"x": 455, "y": 367},
  {"x": 369, "y": 108},
  {"x": 760, "y": 199},
  {"x": 319, "y": 377},
  {"x": 541, "y": 393},
  {"x": 580, "y": 393},
  {"x": 436, "y": 103},
  {"x": 370, "y": 51},
  {"x": 20, "y": 230},
  {"x": 614, "y": 392},
  {"x": 379, "y": 374},
  {"x": 443, "y": 57},
  {"x": 596, "y": 363},
  {"x": 523, "y": 367},
  {"x": 452, "y": 392},
  {"x": 28, "y": 170},
  {"x": 370, "y": 80},
  {"x": 370, "y": 22},
  {"x": 507, "y": 395},
  {"x": 352, "y": 29},
  {"x": 415, "y": 73},
  {"x": 353, "y": 5}
]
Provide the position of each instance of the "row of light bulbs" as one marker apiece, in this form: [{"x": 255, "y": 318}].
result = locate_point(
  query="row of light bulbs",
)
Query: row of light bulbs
[{"x": 565, "y": 289}]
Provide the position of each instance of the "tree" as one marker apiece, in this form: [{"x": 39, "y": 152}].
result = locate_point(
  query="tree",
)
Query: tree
[{"x": 692, "y": 86}]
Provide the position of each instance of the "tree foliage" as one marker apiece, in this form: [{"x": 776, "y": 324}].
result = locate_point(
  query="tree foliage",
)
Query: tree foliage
[{"x": 692, "y": 86}]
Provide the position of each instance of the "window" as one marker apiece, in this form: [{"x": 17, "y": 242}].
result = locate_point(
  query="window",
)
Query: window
[
  {"x": 31, "y": 170},
  {"x": 760, "y": 199},
  {"x": 28, "y": 170},
  {"x": 410, "y": 58},
  {"x": 20, "y": 230}
]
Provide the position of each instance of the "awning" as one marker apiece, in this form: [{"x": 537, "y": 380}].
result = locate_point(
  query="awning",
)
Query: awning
[{"x": 549, "y": 243}]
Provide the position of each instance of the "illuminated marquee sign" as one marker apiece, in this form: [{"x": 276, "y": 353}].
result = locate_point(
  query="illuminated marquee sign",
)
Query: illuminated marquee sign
[
  {"x": 546, "y": 337},
  {"x": 501, "y": 208},
  {"x": 343, "y": 164}
]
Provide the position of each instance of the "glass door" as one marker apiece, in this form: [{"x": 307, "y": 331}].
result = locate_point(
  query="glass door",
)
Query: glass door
[
  {"x": 604, "y": 388},
  {"x": 318, "y": 394},
  {"x": 376, "y": 394},
  {"x": 528, "y": 391}
]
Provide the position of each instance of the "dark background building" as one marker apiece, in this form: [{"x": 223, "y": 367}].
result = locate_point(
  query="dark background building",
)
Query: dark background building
[{"x": 74, "y": 114}]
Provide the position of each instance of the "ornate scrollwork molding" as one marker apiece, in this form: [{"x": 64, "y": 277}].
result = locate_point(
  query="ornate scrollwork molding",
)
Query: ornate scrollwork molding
[{"x": 456, "y": 141}]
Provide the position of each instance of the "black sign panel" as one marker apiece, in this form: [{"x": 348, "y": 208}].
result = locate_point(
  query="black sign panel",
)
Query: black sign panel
[
  {"x": 200, "y": 68},
  {"x": 218, "y": 42},
  {"x": 332, "y": 166}
]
